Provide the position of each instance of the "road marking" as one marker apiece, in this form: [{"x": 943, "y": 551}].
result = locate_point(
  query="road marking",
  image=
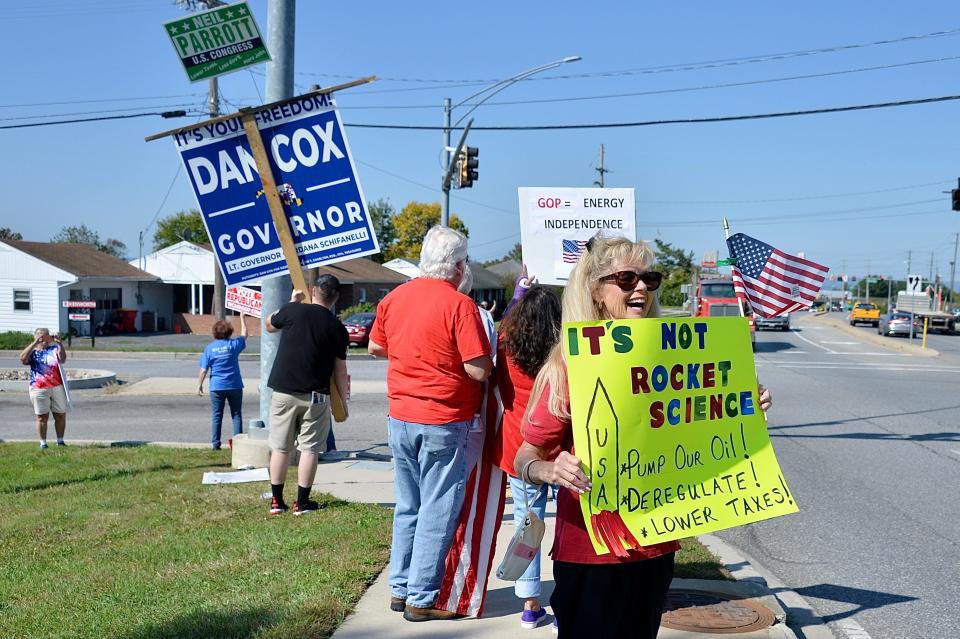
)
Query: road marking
[
  {"x": 876, "y": 354},
  {"x": 861, "y": 367},
  {"x": 844, "y": 343},
  {"x": 814, "y": 343},
  {"x": 955, "y": 451}
]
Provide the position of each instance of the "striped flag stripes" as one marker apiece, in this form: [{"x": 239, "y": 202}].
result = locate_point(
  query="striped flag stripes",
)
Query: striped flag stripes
[{"x": 775, "y": 283}]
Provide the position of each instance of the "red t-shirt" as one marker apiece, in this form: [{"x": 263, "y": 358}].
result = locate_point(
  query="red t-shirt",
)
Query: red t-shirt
[
  {"x": 515, "y": 387},
  {"x": 572, "y": 542},
  {"x": 429, "y": 331}
]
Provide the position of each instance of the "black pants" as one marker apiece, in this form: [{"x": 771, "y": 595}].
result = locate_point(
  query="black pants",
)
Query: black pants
[{"x": 611, "y": 600}]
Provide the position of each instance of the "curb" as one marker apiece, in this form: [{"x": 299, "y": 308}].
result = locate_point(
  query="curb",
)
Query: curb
[
  {"x": 802, "y": 621},
  {"x": 888, "y": 343}
]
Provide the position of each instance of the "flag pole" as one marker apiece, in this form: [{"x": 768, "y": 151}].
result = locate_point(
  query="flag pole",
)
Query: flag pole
[{"x": 726, "y": 235}]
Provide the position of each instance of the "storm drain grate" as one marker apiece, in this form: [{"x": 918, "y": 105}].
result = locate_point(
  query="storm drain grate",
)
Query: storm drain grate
[{"x": 714, "y": 613}]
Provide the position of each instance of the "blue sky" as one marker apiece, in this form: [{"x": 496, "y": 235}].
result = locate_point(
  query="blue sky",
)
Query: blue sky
[{"x": 796, "y": 183}]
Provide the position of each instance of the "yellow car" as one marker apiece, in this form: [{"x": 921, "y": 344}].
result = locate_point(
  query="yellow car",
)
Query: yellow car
[{"x": 865, "y": 313}]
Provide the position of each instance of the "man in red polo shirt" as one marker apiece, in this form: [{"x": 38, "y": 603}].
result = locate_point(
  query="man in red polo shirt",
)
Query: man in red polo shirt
[{"x": 438, "y": 356}]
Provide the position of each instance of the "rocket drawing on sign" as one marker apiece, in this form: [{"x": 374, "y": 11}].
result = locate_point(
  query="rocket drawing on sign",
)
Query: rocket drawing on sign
[{"x": 603, "y": 461}]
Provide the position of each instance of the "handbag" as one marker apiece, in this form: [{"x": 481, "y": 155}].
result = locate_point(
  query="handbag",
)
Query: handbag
[{"x": 524, "y": 546}]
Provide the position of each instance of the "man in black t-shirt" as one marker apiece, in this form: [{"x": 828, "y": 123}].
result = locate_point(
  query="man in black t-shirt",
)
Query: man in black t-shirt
[{"x": 313, "y": 347}]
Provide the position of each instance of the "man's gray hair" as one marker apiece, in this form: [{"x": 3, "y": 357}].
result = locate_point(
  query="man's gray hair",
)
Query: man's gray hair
[{"x": 443, "y": 248}]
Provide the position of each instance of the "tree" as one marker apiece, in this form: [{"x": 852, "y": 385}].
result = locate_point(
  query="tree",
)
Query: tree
[
  {"x": 8, "y": 234},
  {"x": 170, "y": 229},
  {"x": 77, "y": 235},
  {"x": 411, "y": 225},
  {"x": 515, "y": 254},
  {"x": 83, "y": 235},
  {"x": 381, "y": 214},
  {"x": 677, "y": 268}
]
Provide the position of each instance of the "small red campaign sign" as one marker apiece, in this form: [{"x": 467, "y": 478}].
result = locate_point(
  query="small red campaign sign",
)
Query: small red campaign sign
[
  {"x": 244, "y": 300},
  {"x": 78, "y": 317}
]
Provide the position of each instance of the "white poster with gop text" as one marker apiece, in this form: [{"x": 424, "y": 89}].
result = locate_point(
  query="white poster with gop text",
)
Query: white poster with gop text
[{"x": 556, "y": 222}]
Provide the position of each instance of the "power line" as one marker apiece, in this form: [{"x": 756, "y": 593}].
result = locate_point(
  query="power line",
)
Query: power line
[
  {"x": 631, "y": 94},
  {"x": 165, "y": 114},
  {"x": 669, "y": 68},
  {"x": 615, "y": 125},
  {"x": 63, "y": 115},
  {"x": 100, "y": 100},
  {"x": 800, "y": 198}
]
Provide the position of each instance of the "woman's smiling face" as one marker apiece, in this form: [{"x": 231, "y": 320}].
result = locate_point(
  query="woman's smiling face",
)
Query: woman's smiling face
[{"x": 619, "y": 304}]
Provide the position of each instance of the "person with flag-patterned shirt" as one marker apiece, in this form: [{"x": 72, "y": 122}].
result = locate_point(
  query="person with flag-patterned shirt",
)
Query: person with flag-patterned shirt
[{"x": 44, "y": 355}]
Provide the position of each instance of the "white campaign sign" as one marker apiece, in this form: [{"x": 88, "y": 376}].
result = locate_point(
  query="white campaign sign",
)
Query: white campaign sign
[
  {"x": 556, "y": 222},
  {"x": 244, "y": 300}
]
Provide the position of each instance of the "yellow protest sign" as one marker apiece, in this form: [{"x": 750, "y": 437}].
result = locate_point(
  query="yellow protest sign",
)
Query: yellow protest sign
[{"x": 667, "y": 422}]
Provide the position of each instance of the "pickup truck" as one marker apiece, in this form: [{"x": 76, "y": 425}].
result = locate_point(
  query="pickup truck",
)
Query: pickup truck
[{"x": 865, "y": 313}]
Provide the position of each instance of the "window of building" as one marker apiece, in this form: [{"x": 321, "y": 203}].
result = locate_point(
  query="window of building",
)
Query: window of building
[
  {"x": 363, "y": 295},
  {"x": 21, "y": 300},
  {"x": 383, "y": 292}
]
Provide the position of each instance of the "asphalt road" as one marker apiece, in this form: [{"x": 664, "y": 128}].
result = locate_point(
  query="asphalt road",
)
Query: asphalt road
[{"x": 868, "y": 440}]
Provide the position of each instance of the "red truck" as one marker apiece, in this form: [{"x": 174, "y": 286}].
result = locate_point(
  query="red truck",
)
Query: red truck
[{"x": 714, "y": 296}]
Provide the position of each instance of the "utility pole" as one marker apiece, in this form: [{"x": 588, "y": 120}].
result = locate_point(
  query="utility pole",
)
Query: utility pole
[
  {"x": 930, "y": 277},
  {"x": 281, "y": 19},
  {"x": 219, "y": 306},
  {"x": 601, "y": 169},
  {"x": 445, "y": 202},
  {"x": 953, "y": 264}
]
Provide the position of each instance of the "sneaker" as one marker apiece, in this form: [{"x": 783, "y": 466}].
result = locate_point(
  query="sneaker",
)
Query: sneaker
[
  {"x": 308, "y": 506},
  {"x": 530, "y": 619},
  {"x": 43, "y": 446},
  {"x": 61, "y": 444},
  {"x": 277, "y": 508},
  {"x": 556, "y": 629}
]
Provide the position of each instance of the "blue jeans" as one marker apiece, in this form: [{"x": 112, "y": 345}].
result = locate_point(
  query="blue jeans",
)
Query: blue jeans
[
  {"x": 528, "y": 585},
  {"x": 217, "y": 400},
  {"x": 429, "y": 477}
]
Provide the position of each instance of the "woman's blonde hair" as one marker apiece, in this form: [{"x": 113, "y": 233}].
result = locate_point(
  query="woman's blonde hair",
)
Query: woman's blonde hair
[{"x": 603, "y": 255}]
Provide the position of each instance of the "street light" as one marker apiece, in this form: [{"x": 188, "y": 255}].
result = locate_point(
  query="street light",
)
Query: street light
[{"x": 491, "y": 91}]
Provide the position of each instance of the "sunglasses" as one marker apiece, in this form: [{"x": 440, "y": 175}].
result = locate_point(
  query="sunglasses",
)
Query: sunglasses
[{"x": 627, "y": 280}]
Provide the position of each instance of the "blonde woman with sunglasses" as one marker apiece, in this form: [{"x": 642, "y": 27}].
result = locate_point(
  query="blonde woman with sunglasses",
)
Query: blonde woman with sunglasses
[{"x": 595, "y": 595}]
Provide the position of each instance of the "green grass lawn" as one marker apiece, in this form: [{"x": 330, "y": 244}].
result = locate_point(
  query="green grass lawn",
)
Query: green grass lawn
[{"x": 126, "y": 542}]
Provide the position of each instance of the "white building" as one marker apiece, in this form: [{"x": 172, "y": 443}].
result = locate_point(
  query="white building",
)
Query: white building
[
  {"x": 189, "y": 269},
  {"x": 36, "y": 278}
]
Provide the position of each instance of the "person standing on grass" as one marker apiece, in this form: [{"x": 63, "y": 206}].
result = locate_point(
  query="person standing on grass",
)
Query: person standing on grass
[
  {"x": 313, "y": 347},
  {"x": 221, "y": 358},
  {"x": 438, "y": 355},
  {"x": 44, "y": 355}
]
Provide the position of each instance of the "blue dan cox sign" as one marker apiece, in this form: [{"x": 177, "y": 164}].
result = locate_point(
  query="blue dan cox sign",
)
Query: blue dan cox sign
[{"x": 316, "y": 179}]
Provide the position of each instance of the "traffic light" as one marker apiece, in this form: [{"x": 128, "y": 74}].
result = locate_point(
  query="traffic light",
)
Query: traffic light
[
  {"x": 468, "y": 164},
  {"x": 955, "y": 196}
]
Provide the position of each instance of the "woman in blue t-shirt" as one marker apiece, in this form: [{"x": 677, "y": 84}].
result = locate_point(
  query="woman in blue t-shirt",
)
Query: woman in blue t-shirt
[{"x": 221, "y": 359}]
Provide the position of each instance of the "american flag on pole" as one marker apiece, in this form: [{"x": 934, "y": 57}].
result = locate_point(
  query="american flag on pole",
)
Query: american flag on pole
[
  {"x": 470, "y": 558},
  {"x": 572, "y": 250},
  {"x": 774, "y": 282}
]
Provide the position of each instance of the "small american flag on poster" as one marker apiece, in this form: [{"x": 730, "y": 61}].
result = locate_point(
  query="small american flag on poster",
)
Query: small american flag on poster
[{"x": 572, "y": 250}]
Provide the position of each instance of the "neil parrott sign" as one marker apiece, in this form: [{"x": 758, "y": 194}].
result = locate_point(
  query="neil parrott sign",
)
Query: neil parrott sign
[
  {"x": 218, "y": 41},
  {"x": 316, "y": 179}
]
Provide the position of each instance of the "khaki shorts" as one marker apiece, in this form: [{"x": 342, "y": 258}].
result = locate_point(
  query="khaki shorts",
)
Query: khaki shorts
[
  {"x": 294, "y": 417},
  {"x": 48, "y": 399}
]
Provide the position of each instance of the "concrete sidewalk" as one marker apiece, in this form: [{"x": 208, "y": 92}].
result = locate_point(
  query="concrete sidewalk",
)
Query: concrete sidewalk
[{"x": 372, "y": 482}]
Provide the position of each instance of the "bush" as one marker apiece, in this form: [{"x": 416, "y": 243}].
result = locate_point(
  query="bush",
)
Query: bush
[
  {"x": 362, "y": 307},
  {"x": 15, "y": 340}
]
